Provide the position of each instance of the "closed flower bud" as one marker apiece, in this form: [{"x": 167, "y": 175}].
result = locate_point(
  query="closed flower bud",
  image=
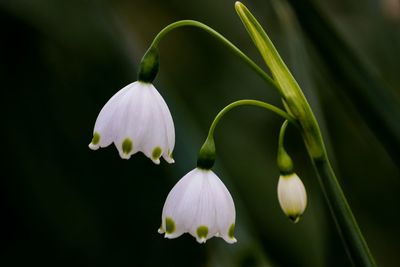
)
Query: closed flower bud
[{"x": 292, "y": 196}]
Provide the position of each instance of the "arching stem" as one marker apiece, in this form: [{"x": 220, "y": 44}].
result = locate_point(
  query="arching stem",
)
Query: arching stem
[
  {"x": 250, "y": 102},
  {"x": 207, "y": 152},
  {"x": 284, "y": 161},
  {"x": 221, "y": 38}
]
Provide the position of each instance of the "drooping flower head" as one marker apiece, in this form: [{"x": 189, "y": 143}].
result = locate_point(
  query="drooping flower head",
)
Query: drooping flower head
[
  {"x": 201, "y": 205},
  {"x": 136, "y": 119},
  {"x": 292, "y": 196}
]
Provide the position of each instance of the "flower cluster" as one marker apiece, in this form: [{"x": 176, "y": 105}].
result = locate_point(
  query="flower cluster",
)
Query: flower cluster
[{"x": 136, "y": 119}]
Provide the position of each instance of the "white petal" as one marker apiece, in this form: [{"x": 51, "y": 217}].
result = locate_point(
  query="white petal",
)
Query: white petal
[
  {"x": 104, "y": 125},
  {"x": 225, "y": 210},
  {"x": 168, "y": 124},
  {"x": 203, "y": 224},
  {"x": 151, "y": 135},
  {"x": 183, "y": 199},
  {"x": 129, "y": 124},
  {"x": 178, "y": 205}
]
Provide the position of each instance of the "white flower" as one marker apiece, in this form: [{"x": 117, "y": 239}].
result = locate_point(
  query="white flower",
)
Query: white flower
[
  {"x": 292, "y": 196},
  {"x": 201, "y": 205},
  {"x": 136, "y": 119}
]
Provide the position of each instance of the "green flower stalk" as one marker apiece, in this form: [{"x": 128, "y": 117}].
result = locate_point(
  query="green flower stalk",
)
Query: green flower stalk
[
  {"x": 297, "y": 105},
  {"x": 284, "y": 161},
  {"x": 207, "y": 152},
  {"x": 148, "y": 68}
]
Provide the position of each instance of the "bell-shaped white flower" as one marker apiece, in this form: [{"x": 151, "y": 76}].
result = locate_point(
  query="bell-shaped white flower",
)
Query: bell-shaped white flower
[
  {"x": 292, "y": 196},
  {"x": 201, "y": 205},
  {"x": 136, "y": 119}
]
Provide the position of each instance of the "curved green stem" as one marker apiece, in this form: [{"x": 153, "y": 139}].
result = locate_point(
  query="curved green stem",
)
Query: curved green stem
[
  {"x": 284, "y": 161},
  {"x": 226, "y": 42},
  {"x": 282, "y": 134},
  {"x": 249, "y": 102},
  {"x": 207, "y": 152}
]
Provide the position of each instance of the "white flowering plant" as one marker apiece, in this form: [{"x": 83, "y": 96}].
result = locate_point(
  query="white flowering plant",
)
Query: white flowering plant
[{"x": 137, "y": 119}]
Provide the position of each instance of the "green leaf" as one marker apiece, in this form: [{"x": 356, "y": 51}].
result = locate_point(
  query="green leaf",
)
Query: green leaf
[{"x": 292, "y": 96}]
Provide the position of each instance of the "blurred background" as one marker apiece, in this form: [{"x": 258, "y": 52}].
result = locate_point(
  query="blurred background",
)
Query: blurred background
[{"x": 65, "y": 205}]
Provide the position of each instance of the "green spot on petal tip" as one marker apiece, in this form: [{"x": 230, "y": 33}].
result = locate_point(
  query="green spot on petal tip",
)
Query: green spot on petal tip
[
  {"x": 156, "y": 153},
  {"x": 170, "y": 154},
  {"x": 96, "y": 138},
  {"x": 202, "y": 231},
  {"x": 127, "y": 146},
  {"x": 169, "y": 225},
  {"x": 231, "y": 231}
]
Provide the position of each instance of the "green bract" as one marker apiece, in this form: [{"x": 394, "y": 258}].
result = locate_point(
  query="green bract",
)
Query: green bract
[{"x": 292, "y": 96}]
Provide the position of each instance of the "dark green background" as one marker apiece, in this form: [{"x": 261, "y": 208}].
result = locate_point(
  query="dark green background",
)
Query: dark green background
[{"x": 65, "y": 205}]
